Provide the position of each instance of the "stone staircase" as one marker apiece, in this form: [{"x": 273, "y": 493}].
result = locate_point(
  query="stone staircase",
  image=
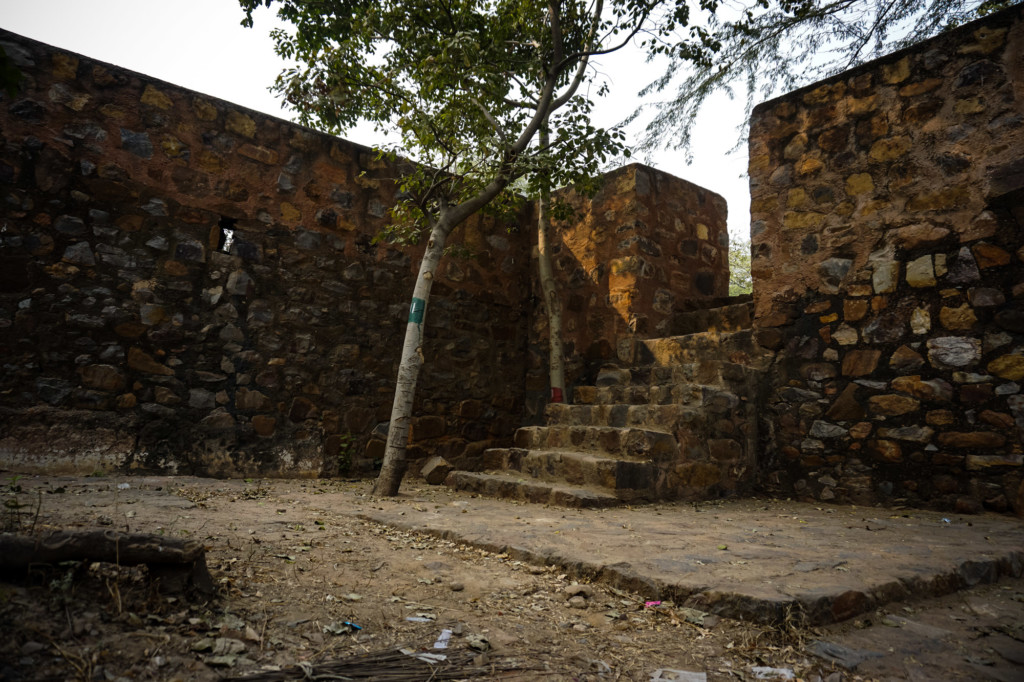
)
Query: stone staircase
[{"x": 677, "y": 422}]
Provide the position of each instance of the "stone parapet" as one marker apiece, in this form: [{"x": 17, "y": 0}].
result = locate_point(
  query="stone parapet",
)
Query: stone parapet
[
  {"x": 646, "y": 246},
  {"x": 887, "y": 237}
]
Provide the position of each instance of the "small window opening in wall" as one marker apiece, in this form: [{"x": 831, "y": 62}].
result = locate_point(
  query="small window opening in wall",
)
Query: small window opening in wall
[{"x": 227, "y": 234}]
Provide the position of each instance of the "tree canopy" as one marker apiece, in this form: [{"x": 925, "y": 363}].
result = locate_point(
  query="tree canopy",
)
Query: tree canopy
[
  {"x": 462, "y": 82},
  {"x": 766, "y": 47}
]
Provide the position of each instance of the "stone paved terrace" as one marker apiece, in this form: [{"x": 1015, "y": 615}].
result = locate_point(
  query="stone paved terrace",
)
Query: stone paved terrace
[{"x": 752, "y": 559}]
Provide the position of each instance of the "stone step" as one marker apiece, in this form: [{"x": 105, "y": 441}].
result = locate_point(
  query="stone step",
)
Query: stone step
[
  {"x": 734, "y": 347},
  {"x": 513, "y": 485},
  {"x": 728, "y": 318},
  {"x": 627, "y": 442},
  {"x": 624, "y": 478},
  {"x": 501, "y": 458},
  {"x": 667, "y": 417},
  {"x": 678, "y": 399}
]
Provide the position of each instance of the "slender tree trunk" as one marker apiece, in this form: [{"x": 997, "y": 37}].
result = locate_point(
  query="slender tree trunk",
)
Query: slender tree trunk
[
  {"x": 556, "y": 364},
  {"x": 394, "y": 465}
]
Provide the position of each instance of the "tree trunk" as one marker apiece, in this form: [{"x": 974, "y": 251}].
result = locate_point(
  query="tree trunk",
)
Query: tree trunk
[
  {"x": 393, "y": 467},
  {"x": 556, "y": 363}
]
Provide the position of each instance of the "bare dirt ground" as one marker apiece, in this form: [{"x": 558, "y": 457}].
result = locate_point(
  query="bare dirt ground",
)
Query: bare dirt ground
[{"x": 302, "y": 580}]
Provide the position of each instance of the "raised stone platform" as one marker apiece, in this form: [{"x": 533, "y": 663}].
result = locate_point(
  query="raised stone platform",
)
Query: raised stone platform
[{"x": 758, "y": 560}]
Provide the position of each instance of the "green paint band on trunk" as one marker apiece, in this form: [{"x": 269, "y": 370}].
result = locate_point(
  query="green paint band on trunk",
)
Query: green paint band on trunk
[{"x": 416, "y": 310}]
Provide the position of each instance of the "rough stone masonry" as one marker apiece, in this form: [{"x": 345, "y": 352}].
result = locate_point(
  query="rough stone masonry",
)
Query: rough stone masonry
[
  {"x": 189, "y": 286},
  {"x": 888, "y": 240}
]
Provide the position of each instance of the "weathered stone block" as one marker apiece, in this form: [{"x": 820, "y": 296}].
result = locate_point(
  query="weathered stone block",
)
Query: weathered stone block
[
  {"x": 949, "y": 352},
  {"x": 435, "y": 470},
  {"x": 102, "y": 377},
  {"x": 252, "y": 401},
  {"x": 921, "y": 272},
  {"x": 890, "y": 149},
  {"x": 931, "y": 390},
  {"x": 971, "y": 439},
  {"x": 892, "y": 405},
  {"x": 906, "y": 359},
  {"x": 888, "y": 450},
  {"x": 1009, "y": 366},
  {"x": 916, "y": 434},
  {"x": 821, "y": 429},
  {"x": 240, "y": 123},
  {"x": 958, "y": 318},
  {"x": 920, "y": 321},
  {"x": 858, "y": 363},
  {"x": 141, "y": 361},
  {"x": 884, "y": 275},
  {"x": 155, "y": 98},
  {"x": 976, "y": 462}
]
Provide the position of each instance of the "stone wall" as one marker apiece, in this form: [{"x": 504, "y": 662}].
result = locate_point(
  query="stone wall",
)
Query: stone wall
[
  {"x": 887, "y": 233},
  {"x": 135, "y": 334},
  {"x": 646, "y": 246},
  {"x": 186, "y": 285}
]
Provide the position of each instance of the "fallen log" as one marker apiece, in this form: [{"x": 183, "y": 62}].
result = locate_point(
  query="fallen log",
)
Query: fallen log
[{"x": 178, "y": 564}]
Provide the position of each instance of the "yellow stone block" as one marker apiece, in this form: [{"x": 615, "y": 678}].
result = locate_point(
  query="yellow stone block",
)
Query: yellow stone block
[
  {"x": 802, "y": 220},
  {"x": 859, "y": 183},
  {"x": 971, "y": 105},
  {"x": 210, "y": 162},
  {"x": 111, "y": 111},
  {"x": 204, "y": 111},
  {"x": 844, "y": 208},
  {"x": 154, "y": 98},
  {"x": 825, "y": 93},
  {"x": 240, "y": 123},
  {"x": 702, "y": 231},
  {"x": 257, "y": 153},
  {"x": 959, "y": 318},
  {"x": 809, "y": 165},
  {"x": 765, "y": 204},
  {"x": 759, "y": 162},
  {"x": 65, "y": 66},
  {"x": 921, "y": 87},
  {"x": 796, "y": 198},
  {"x": 1008, "y": 367},
  {"x": 890, "y": 148},
  {"x": 173, "y": 147},
  {"x": 859, "y": 290},
  {"x": 857, "y": 106},
  {"x": 988, "y": 40},
  {"x": 826, "y": 319},
  {"x": 289, "y": 213},
  {"x": 896, "y": 73}
]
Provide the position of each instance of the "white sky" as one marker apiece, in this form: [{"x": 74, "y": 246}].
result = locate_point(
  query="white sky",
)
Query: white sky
[{"x": 200, "y": 45}]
